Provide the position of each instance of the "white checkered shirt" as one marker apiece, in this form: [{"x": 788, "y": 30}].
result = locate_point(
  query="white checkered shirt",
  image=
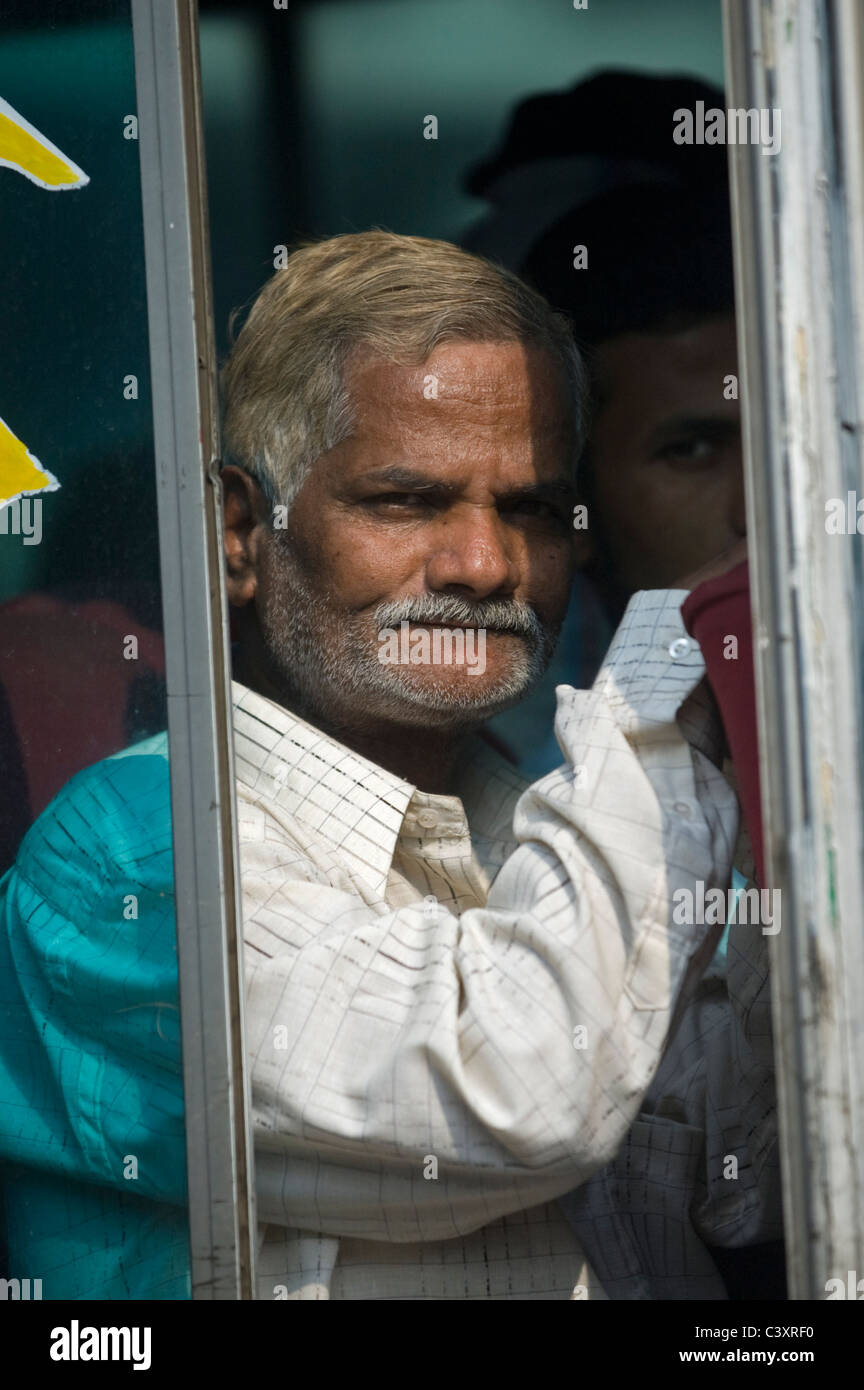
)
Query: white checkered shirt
[{"x": 454, "y": 1012}]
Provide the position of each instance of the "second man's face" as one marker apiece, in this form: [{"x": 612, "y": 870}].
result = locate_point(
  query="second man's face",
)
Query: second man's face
[{"x": 665, "y": 453}]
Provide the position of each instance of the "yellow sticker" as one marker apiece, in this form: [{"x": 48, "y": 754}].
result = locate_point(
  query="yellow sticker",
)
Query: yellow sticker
[
  {"x": 24, "y": 148},
  {"x": 20, "y": 472}
]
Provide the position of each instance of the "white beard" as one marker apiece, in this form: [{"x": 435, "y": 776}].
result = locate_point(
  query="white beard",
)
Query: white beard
[{"x": 329, "y": 659}]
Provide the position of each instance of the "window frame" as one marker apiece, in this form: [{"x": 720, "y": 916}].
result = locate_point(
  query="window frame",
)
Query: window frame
[{"x": 220, "y": 1161}]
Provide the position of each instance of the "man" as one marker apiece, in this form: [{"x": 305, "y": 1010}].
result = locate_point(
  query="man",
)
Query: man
[
  {"x": 425, "y": 506},
  {"x": 458, "y": 990},
  {"x": 662, "y": 475}
]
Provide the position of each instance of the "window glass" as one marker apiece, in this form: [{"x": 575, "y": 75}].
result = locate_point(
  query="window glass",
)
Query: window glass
[{"x": 92, "y": 1150}]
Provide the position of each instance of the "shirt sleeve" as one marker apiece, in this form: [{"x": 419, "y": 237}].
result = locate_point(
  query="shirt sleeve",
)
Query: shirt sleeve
[
  {"x": 699, "y": 1170},
  {"x": 741, "y": 1203},
  {"x": 90, "y": 1066},
  {"x": 717, "y": 1078},
  {"x": 512, "y": 1044}
]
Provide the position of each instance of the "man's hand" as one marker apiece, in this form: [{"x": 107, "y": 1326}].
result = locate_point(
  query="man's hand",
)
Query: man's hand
[{"x": 726, "y": 560}]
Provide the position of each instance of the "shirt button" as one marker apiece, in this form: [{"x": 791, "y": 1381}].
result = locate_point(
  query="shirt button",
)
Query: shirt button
[
  {"x": 427, "y": 819},
  {"x": 680, "y": 647},
  {"x": 683, "y": 808}
]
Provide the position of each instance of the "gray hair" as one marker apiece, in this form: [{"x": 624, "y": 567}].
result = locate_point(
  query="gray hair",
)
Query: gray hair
[{"x": 285, "y": 401}]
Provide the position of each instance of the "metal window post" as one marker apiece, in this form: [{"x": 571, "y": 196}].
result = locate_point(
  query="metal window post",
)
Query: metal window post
[
  {"x": 800, "y": 302},
  {"x": 209, "y": 936}
]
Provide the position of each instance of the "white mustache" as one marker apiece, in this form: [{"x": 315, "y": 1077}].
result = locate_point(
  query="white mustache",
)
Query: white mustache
[{"x": 495, "y": 615}]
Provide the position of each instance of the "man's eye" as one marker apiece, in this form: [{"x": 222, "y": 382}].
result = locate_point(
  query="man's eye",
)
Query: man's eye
[
  {"x": 399, "y": 500},
  {"x": 690, "y": 453}
]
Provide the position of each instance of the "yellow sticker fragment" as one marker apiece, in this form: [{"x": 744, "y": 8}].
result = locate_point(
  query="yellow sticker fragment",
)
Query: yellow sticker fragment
[
  {"x": 20, "y": 472},
  {"x": 26, "y": 149}
]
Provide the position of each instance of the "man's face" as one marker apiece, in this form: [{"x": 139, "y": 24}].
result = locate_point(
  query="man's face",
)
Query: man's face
[
  {"x": 665, "y": 449},
  {"x": 450, "y": 506}
]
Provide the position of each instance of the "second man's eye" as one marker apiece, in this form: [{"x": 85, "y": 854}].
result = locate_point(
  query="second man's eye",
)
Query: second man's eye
[{"x": 690, "y": 453}]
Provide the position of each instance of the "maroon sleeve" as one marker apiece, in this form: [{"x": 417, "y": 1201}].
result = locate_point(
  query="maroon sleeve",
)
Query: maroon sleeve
[{"x": 716, "y": 612}]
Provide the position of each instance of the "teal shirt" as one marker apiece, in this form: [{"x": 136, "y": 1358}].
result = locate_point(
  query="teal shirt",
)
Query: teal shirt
[{"x": 92, "y": 1141}]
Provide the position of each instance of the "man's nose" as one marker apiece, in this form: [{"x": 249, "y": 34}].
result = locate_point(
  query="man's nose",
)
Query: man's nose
[{"x": 473, "y": 556}]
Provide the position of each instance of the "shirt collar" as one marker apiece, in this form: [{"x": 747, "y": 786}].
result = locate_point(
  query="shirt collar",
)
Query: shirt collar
[{"x": 354, "y": 803}]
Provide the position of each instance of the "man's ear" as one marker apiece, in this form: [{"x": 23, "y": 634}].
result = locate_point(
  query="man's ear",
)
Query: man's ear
[{"x": 245, "y": 511}]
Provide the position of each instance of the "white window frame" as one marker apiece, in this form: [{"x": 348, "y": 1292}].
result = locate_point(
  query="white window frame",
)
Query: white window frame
[
  {"x": 197, "y": 650},
  {"x": 799, "y": 269}
]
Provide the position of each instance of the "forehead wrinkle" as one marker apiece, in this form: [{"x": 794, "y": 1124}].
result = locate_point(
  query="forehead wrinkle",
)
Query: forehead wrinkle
[
  {"x": 396, "y": 417},
  {"x": 471, "y": 373}
]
